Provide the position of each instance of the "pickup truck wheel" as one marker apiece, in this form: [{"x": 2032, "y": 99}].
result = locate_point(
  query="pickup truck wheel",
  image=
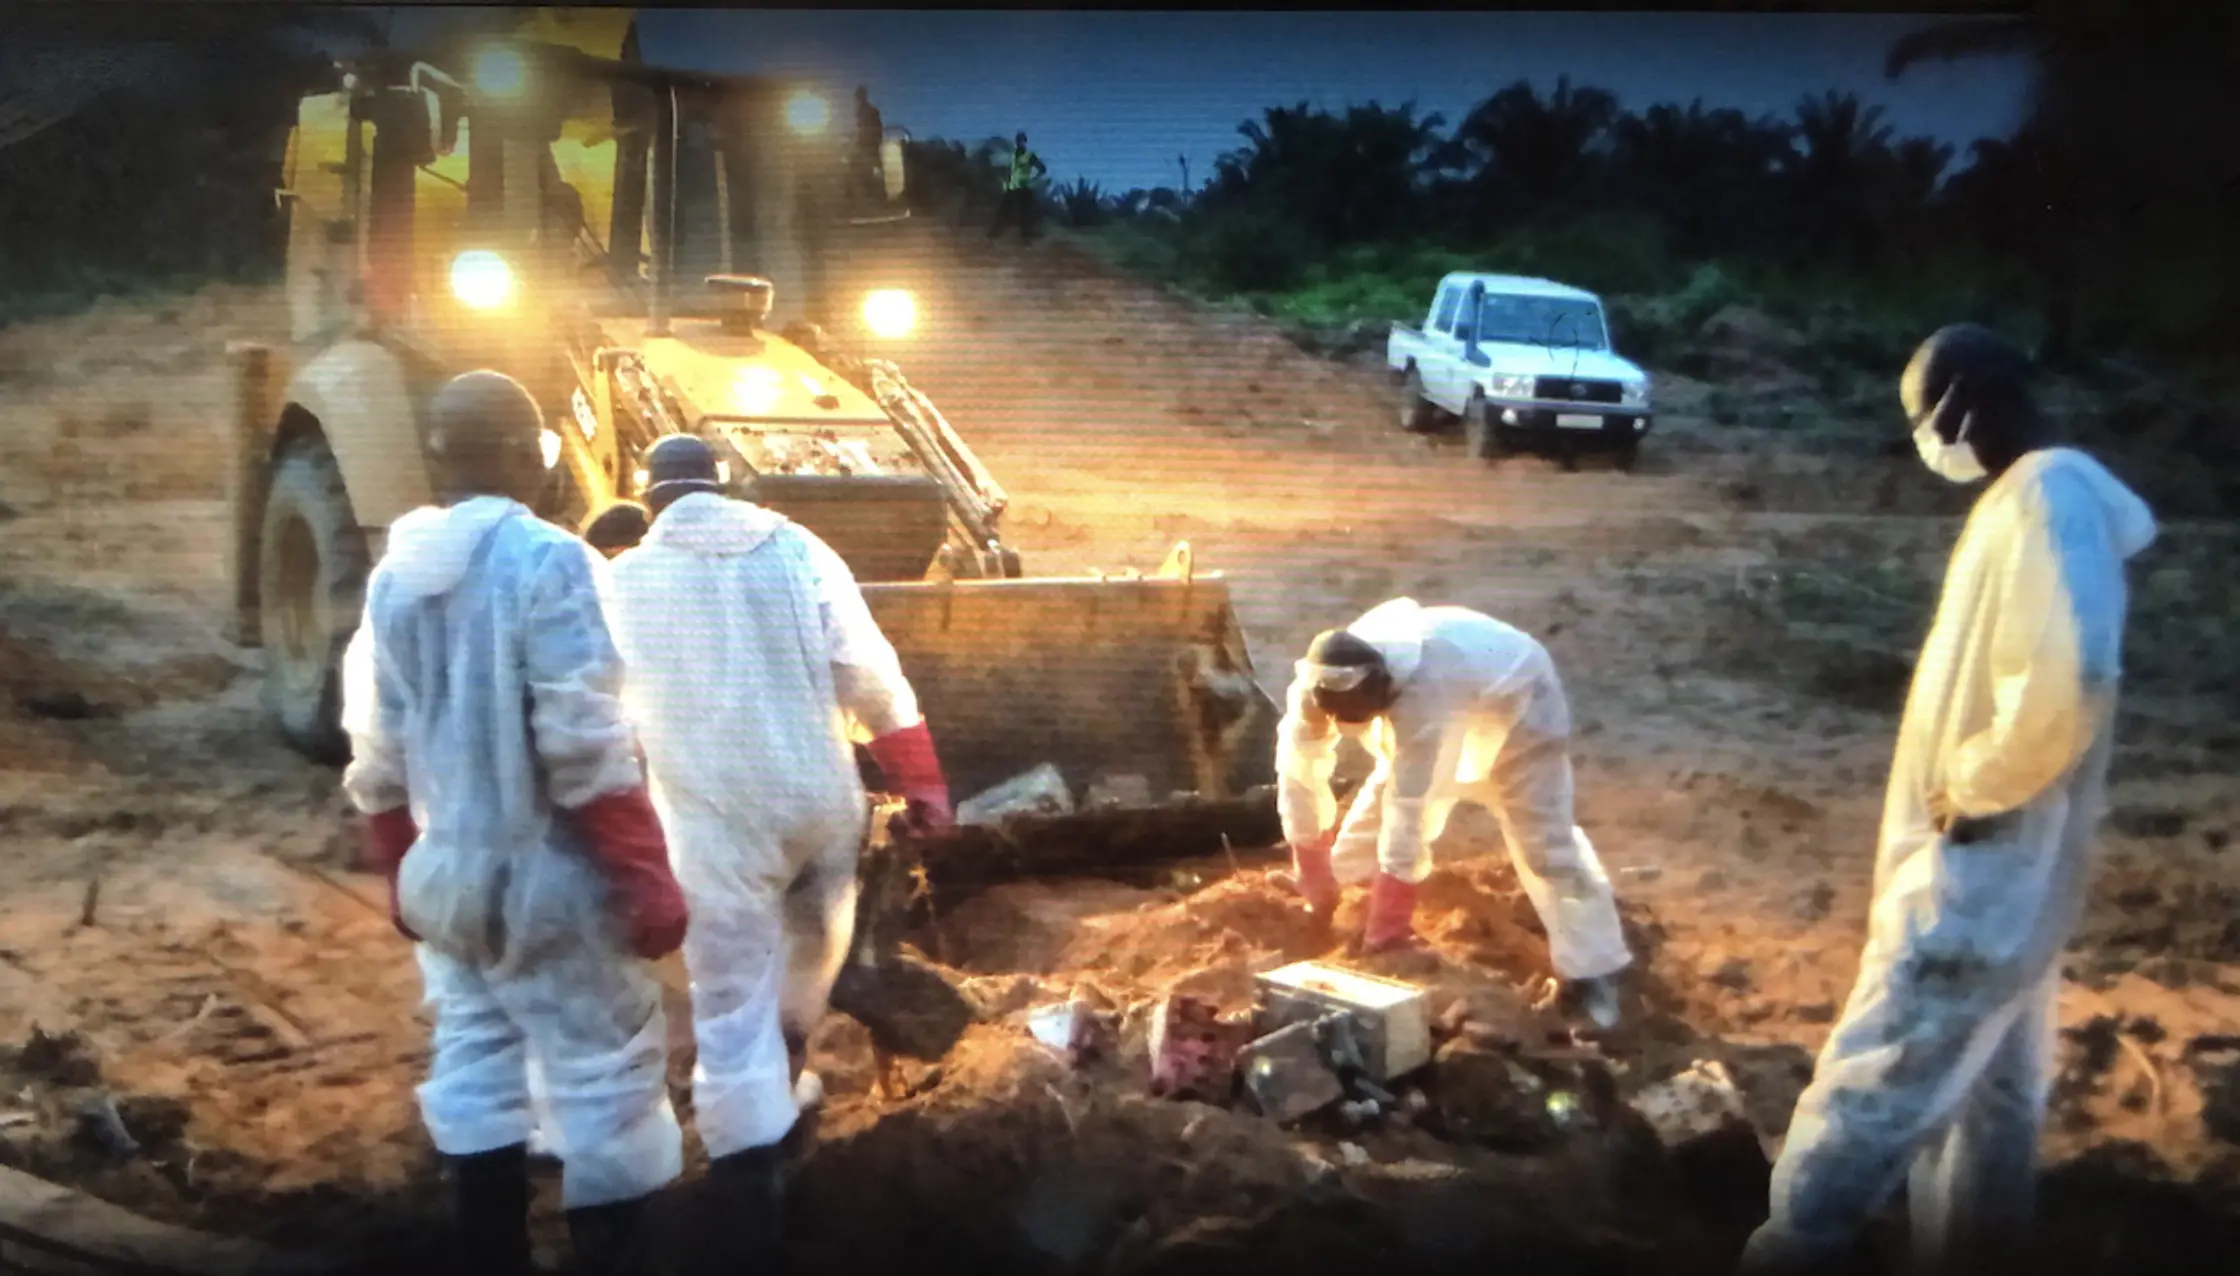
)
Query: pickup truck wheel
[
  {"x": 1417, "y": 416},
  {"x": 1629, "y": 452},
  {"x": 1479, "y": 437},
  {"x": 311, "y": 579}
]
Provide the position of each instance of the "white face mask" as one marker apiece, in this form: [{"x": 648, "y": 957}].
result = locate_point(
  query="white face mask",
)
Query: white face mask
[{"x": 1954, "y": 462}]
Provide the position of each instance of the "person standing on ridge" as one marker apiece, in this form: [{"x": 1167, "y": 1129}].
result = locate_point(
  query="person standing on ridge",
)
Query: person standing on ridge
[{"x": 1018, "y": 202}]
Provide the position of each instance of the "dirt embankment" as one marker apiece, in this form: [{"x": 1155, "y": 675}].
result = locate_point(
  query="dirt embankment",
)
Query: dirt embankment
[{"x": 1734, "y": 623}]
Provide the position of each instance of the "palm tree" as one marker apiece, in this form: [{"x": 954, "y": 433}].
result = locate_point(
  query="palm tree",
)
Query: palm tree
[
  {"x": 1531, "y": 151},
  {"x": 2133, "y": 137},
  {"x": 1083, "y": 202},
  {"x": 1708, "y": 174},
  {"x": 1346, "y": 178},
  {"x": 1842, "y": 149}
]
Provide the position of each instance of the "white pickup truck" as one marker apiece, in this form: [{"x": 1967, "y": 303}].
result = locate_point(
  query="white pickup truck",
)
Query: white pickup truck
[{"x": 1516, "y": 359}]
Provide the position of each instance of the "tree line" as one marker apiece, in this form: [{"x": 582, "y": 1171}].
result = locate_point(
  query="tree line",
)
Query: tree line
[{"x": 2114, "y": 212}]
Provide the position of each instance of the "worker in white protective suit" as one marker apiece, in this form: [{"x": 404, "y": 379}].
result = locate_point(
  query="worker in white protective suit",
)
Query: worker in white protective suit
[
  {"x": 1453, "y": 705},
  {"x": 618, "y": 527},
  {"x": 507, "y": 807},
  {"x": 754, "y": 661},
  {"x": 1936, "y": 1074}
]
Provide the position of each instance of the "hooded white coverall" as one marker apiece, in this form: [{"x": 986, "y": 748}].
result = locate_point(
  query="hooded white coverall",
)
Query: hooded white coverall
[
  {"x": 482, "y": 685},
  {"x": 1480, "y": 716},
  {"x": 752, "y": 655},
  {"x": 1940, "y": 1062}
]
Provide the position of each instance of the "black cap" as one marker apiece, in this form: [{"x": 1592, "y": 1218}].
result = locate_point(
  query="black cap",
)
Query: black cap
[
  {"x": 1337, "y": 649},
  {"x": 677, "y": 466}
]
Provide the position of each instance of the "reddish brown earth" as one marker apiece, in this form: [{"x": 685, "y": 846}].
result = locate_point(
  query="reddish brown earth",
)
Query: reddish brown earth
[{"x": 1733, "y": 621}]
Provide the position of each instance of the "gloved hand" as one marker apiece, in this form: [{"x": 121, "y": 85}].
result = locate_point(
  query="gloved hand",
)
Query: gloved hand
[
  {"x": 626, "y": 839},
  {"x": 389, "y": 836},
  {"x": 907, "y": 760},
  {"x": 1311, "y": 874}
]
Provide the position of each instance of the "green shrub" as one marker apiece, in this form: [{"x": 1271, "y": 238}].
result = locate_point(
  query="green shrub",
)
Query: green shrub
[{"x": 1247, "y": 252}]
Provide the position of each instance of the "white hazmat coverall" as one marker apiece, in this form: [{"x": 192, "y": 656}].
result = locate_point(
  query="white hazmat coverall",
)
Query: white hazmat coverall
[
  {"x": 750, "y": 651},
  {"x": 1480, "y": 716},
  {"x": 483, "y": 687},
  {"x": 1939, "y": 1064}
]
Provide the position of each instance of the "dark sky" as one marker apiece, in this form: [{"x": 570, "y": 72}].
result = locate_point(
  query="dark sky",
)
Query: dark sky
[{"x": 1116, "y": 96}]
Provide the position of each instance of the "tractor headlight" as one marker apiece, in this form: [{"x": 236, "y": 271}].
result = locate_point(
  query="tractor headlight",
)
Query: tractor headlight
[
  {"x": 890, "y": 313},
  {"x": 1634, "y": 393},
  {"x": 549, "y": 444},
  {"x": 481, "y": 279},
  {"x": 500, "y": 72},
  {"x": 807, "y": 114}
]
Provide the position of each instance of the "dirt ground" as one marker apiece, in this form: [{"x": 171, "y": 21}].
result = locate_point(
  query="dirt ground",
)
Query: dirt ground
[{"x": 186, "y": 955}]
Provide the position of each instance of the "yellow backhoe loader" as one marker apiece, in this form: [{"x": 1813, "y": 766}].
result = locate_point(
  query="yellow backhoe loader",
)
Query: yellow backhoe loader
[{"x": 655, "y": 251}]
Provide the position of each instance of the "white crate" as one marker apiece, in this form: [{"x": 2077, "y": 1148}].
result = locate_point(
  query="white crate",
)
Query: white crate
[{"x": 1393, "y": 1019}]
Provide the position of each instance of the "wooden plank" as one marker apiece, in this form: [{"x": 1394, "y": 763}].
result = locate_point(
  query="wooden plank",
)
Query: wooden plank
[{"x": 46, "y": 1226}]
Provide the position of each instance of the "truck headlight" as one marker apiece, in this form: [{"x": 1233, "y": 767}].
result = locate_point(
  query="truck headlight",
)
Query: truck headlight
[
  {"x": 1505, "y": 385},
  {"x": 890, "y": 313},
  {"x": 1634, "y": 394},
  {"x": 549, "y": 444},
  {"x": 807, "y": 114},
  {"x": 481, "y": 279}
]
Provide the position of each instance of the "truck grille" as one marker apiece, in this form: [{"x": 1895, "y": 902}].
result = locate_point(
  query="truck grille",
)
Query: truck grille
[{"x": 1575, "y": 390}]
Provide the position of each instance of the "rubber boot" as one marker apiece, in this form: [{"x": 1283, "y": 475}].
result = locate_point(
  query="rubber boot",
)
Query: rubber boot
[
  {"x": 743, "y": 1228},
  {"x": 1600, "y": 1001},
  {"x": 613, "y": 1239},
  {"x": 491, "y": 1193},
  {"x": 1392, "y": 914},
  {"x": 1313, "y": 879}
]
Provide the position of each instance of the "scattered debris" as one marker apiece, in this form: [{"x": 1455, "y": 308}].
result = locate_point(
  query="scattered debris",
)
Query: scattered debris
[
  {"x": 1693, "y": 1104},
  {"x": 1194, "y": 1049},
  {"x": 1041, "y": 791},
  {"x": 100, "y": 1124},
  {"x": 1286, "y": 1076},
  {"x": 1127, "y": 791},
  {"x": 1070, "y": 1029}
]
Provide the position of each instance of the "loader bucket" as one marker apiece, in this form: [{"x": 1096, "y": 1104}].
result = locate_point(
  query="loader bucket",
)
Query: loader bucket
[{"x": 1138, "y": 691}]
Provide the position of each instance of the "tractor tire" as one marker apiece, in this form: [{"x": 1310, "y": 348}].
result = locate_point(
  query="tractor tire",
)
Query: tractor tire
[
  {"x": 1480, "y": 437},
  {"x": 1417, "y": 415},
  {"x": 311, "y": 578}
]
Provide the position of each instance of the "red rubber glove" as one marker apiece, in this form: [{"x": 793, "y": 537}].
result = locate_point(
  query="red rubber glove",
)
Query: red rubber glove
[
  {"x": 907, "y": 760},
  {"x": 389, "y": 837},
  {"x": 626, "y": 839}
]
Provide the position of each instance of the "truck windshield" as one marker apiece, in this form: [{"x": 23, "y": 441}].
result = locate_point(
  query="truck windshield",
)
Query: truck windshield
[{"x": 1542, "y": 321}]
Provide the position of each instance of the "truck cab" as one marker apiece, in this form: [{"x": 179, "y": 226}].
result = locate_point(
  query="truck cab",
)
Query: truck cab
[{"x": 1519, "y": 360}]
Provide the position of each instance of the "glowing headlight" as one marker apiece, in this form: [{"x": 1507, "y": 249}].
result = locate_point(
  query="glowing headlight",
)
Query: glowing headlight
[
  {"x": 482, "y": 279},
  {"x": 1634, "y": 393},
  {"x": 500, "y": 72},
  {"x": 723, "y": 471},
  {"x": 549, "y": 443},
  {"x": 638, "y": 480},
  {"x": 1505, "y": 385},
  {"x": 890, "y": 313},
  {"x": 806, "y": 113},
  {"x": 757, "y": 389}
]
